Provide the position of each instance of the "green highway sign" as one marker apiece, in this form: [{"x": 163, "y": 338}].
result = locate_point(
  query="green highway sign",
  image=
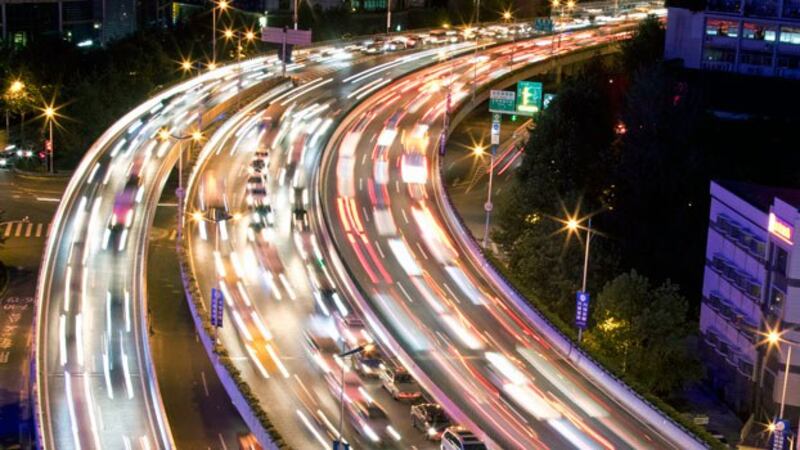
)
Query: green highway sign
[
  {"x": 529, "y": 97},
  {"x": 502, "y": 102}
]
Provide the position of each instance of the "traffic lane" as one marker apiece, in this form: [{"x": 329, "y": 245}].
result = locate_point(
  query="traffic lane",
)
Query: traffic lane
[
  {"x": 87, "y": 400},
  {"x": 375, "y": 131},
  {"x": 393, "y": 307},
  {"x": 478, "y": 318},
  {"x": 16, "y": 334},
  {"x": 36, "y": 197},
  {"x": 479, "y": 315},
  {"x": 286, "y": 317},
  {"x": 199, "y": 410}
]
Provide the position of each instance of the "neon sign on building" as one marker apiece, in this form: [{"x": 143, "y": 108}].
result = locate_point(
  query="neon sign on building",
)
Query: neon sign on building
[{"x": 780, "y": 228}]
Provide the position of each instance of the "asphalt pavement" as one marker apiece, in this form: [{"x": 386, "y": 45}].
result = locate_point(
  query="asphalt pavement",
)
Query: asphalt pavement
[
  {"x": 200, "y": 413},
  {"x": 29, "y": 204}
]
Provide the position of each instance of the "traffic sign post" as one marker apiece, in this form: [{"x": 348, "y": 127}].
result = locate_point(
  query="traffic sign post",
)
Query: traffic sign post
[
  {"x": 581, "y": 311},
  {"x": 217, "y": 308},
  {"x": 529, "y": 97},
  {"x": 779, "y": 438},
  {"x": 287, "y": 38},
  {"x": 495, "y": 132},
  {"x": 502, "y": 102}
]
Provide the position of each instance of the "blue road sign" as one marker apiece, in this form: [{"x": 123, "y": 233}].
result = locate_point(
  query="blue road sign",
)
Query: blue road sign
[
  {"x": 217, "y": 307},
  {"x": 581, "y": 309},
  {"x": 779, "y": 439}
]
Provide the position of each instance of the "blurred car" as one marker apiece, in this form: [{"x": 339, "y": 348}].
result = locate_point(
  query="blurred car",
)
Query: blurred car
[
  {"x": 368, "y": 363},
  {"x": 300, "y": 219},
  {"x": 459, "y": 438},
  {"x": 431, "y": 419},
  {"x": 372, "y": 422},
  {"x": 399, "y": 383}
]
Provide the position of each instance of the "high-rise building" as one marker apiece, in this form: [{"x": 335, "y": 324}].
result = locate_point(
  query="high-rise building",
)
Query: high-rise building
[
  {"x": 84, "y": 22},
  {"x": 752, "y": 37},
  {"x": 752, "y": 285}
]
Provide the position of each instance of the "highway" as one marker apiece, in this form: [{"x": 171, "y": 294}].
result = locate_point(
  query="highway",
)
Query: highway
[
  {"x": 271, "y": 277},
  {"x": 95, "y": 385},
  {"x": 467, "y": 343}
]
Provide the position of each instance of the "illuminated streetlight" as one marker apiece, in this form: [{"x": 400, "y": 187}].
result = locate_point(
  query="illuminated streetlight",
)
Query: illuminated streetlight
[
  {"x": 774, "y": 338},
  {"x": 16, "y": 87},
  {"x": 211, "y": 65},
  {"x": 197, "y": 135},
  {"x": 573, "y": 225},
  {"x": 222, "y": 5},
  {"x": 163, "y": 134},
  {"x": 507, "y": 15},
  {"x": 249, "y": 35},
  {"x": 228, "y": 33},
  {"x": 478, "y": 150},
  {"x": 186, "y": 65},
  {"x": 49, "y": 113}
]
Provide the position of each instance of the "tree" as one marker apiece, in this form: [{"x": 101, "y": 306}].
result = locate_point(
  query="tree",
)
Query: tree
[
  {"x": 646, "y": 46},
  {"x": 564, "y": 168},
  {"x": 644, "y": 332}
]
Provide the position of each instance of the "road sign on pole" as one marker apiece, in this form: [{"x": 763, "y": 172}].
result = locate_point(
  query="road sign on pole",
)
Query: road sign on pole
[
  {"x": 581, "y": 309},
  {"x": 501, "y": 101},
  {"x": 495, "y": 132},
  {"x": 217, "y": 307},
  {"x": 778, "y": 440},
  {"x": 529, "y": 97}
]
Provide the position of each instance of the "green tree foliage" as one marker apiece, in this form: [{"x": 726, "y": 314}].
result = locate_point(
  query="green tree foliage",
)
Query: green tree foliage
[
  {"x": 645, "y": 48},
  {"x": 562, "y": 171},
  {"x": 644, "y": 330}
]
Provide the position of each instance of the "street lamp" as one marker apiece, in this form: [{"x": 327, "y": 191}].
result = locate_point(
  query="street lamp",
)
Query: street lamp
[
  {"x": 348, "y": 353},
  {"x": 50, "y": 115},
  {"x": 187, "y": 65},
  {"x": 774, "y": 338},
  {"x": 573, "y": 225},
  {"x": 478, "y": 151},
  {"x": 222, "y": 6},
  {"x": 14, "y": 89},
  {"x": 195, "y": 136}
]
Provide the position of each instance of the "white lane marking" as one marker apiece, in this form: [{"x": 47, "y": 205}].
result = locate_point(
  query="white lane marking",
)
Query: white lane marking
[
  {"x": 48, "y": 199},
  {"x": 405, "y": 217},
  {"x": 9, "y": 226},
  {"x": 421, "y": 250},
  {"x": 455, "y": 297},
  {"x": 380, "y": 250},
  {"x": 38, "y": 230},
  {"x": 222, "y": 441},
  {"x": 403, "y": 290},
  {"x": 19, "y": 229},
  {"x": 205, "y": 385},
  {"x": 28, "y": 230}
]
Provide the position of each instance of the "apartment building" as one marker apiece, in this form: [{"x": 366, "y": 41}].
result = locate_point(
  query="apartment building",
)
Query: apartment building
[
  {"x": 751, "y": 37},
  {"x": 752, "y": 284}
]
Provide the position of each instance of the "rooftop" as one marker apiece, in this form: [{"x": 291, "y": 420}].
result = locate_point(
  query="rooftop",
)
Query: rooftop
[{"x": 761, "y": 196}]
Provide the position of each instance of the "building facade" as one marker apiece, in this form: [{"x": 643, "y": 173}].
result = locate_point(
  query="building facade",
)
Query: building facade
[
  {"x": 752, "y": 284},
  {"x": 751, "y": 37},
  {"x": 85, "y": 22}
]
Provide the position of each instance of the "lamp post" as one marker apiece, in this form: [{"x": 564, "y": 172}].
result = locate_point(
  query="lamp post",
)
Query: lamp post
[
  {"x": 195, "y": 136},
  {"x": 573, "y": 225},
  {"x": 507, "y": 17},
  {"x": 187, "y": 66},
  {"x": 222, "y": 5},
  {"x": 479, "y": 151},
  {"x": 14, "y": 89},
  {"x": 50, "y": 115},
  {"x": 348, "y": 353},
  {"x": 774, "y": 338}
]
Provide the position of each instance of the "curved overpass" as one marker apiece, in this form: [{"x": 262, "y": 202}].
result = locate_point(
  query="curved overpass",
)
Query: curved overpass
[
  {"x": 417, "y": 277},
  {"x": 95, "y": 383}
]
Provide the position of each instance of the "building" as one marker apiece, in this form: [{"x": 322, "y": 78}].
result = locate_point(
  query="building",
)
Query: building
[
  {"x": 84, "y": 22},
  {"x": 752, "y": 284},
  {"x": 751, "y": 37}
]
